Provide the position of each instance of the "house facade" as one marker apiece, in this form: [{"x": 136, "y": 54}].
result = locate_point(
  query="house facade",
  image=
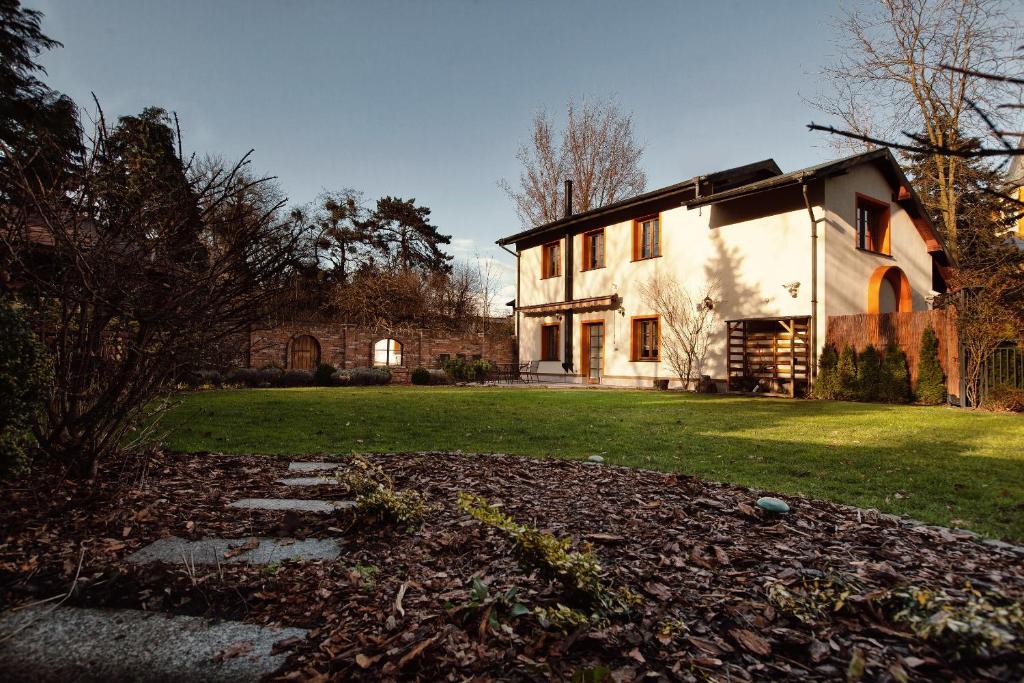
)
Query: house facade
[{"x": 778, "y": 252}]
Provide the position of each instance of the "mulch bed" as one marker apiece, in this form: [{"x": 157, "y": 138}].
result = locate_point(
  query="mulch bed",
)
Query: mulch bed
[{"x": 700, "y": 554}]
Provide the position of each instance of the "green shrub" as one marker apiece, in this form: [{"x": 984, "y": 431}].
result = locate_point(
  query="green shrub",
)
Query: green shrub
[
  {"x": 25, "y": 380},
  {"x": 295, "y": 378},
  {"x": 846, "y": 375},
  {"x": 931, "y": 384},
  {"x": 479, "y": 369},
  {"x": 438, "y": 377},
  {"x": 252, "y": 377},
  {"x": 376, "y": 495},
  {"x": 455, "y": 368},
  {"x": 826, "y": 384},
  {"x": 895, "y": 381},
  {"x": 323, "y": 376},
  {"x": 1004, "y": 398},
  {"x": 420, "y": 376},
  {"x": 869, "y": 374},
  {"x": 363, "y": 377}
]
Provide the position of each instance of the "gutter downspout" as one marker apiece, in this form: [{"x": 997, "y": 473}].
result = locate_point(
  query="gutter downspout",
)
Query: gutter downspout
[
  {"x": 515, "y": 309},
  {"x": 813, "y": 342}
]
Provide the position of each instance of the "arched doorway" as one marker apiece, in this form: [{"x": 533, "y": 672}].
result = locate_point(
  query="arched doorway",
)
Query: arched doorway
[
  {"x": 889, "y": 291},
  {"x": 304, "y": 353}
]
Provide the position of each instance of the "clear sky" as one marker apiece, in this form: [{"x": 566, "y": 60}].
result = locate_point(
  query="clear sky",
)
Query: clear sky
[{"x": 431, "y": 99}]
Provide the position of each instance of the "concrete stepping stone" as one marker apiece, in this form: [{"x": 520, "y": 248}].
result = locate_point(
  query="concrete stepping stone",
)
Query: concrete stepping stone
[
  {"x": 312, "y": 466},
  {"x": 293, "y": 504},
  {"x": 211, "y": 551},
  {"x": 78, "y": 644},
  {"x": 307, "y": 481}
]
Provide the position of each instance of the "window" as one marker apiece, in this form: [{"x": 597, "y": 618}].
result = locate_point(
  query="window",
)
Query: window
[
  {"x": 872, "y": 225},
  {"x": 647, "y": 238},
  {"x": 593, "y": 250},
  {"x": 645, "y": 338},
  {"x": 552, "y": 255},
  {"x": 387, "y": 352},
  {"x": 549, "y": 341}
]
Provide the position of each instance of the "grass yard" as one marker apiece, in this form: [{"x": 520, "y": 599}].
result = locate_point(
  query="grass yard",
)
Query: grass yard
[{"x": 939, "y": 465}]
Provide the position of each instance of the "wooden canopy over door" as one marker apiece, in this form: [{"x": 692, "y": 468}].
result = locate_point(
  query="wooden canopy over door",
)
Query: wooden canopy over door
[
  {"x": 770, "y": 353},
  {"x": 305, "y": 353}
]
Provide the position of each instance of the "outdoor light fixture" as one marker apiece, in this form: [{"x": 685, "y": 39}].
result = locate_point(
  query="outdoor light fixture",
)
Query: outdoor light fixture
[{"x": 793, "y": 288}]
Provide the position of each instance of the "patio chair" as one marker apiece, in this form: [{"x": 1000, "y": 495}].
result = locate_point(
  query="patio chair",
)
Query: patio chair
[{"x": 528, "y": 371}]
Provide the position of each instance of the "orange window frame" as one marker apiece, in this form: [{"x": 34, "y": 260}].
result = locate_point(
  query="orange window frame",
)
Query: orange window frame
[
  {"x": 638, "y": 241},
  {"x": 551, "y": 267},
  {"x": 588, "y": 248},
  {"x": 549, "y": 346},
  {"x": 883, "y": 210},
  {"x": 636, "y": 343}
]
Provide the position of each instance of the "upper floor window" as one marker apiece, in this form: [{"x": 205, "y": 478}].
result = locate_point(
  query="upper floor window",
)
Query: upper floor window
[
  {"x": 549, "y": 341},
  {"x": 872, "y": 225},
  {"x": 647, "y": 238},
  {"x": 646, "y": 340},
  {"x": 593, "y": 249},
  {"x": 552, "y": 259}
]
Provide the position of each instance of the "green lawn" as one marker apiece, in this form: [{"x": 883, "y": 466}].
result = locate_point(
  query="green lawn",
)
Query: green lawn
[{"x": 939, "y": 465}]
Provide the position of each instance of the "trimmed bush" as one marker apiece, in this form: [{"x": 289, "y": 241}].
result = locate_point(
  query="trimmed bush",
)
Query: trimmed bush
[
  {"x": 1004, "y": 398},
  {"x": 461, "y": 370},
  {"x": 846, "y": 375},
  {"x": 869, "y": 374},
  {"x": 479, "y": 369},
  {"x": 364, "y": 377},
  {"x": 204, "y": 378},
  {"x": 420, "y": 376},
  {"x": 438, "y": 377},
  {"x": 295, "y": 378},
  {"x": 252, "y": 377},
  {"x": 826, "y": 385},
  {"x": 931, "y": 383},
  {"x": 895, "y": 381},
  {"x": 25, "y": 380},
  {"x": 323, "y": 376},
  {"x": 455, "y": 368}
]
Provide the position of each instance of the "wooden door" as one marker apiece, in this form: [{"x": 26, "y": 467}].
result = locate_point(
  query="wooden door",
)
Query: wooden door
[
  {"x": 593, "y": 352},
  {"x": 305, "y": 353}
]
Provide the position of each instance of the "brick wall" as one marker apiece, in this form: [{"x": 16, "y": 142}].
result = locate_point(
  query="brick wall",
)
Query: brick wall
[{"x": 349, "y": 346}]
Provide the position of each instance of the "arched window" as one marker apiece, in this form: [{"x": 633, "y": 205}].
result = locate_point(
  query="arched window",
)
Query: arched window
[
  {"x": 387, "y": 352},
  {"x": 889, "y": 291},
  {"x": 304, "y": 353}
]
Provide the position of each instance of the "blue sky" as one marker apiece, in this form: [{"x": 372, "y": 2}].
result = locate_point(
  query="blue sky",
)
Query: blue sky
[{"x": 431, "y": 99}]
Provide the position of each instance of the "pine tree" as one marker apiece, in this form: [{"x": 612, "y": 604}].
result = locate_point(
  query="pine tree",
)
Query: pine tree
[
  {"x": 826, "y": 383},
  {"x": 931, "y": 384},
  {"x": 869, "y": 374},
  {"x": 846, "y": 375},
  {"x": 895, "y": 380}
]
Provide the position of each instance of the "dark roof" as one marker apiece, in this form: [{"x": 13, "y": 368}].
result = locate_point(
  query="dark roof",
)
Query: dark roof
[{"x": 728, "y": 178}]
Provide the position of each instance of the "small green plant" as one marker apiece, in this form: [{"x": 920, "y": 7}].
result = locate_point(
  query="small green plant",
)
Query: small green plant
[
  {"x": 25, "y": 380},
  {"x": 496, "y": 609},
  {"x": 376, "y": 495},
  {"x": 965, "y": 623},
  {"x": 579, "y": 572},
  {"x": 895, "y": 380},
  {"x": 869, "y": 374},
  {"x": 846, "y": 375},
  {"x": 826, "y": 385},
  {"x": 323, "y": 376},
  {"x": 931, "y": 384},
  {"x": 812, "y": 597},
  {"x": 365, "y": 575},
  {"x": 420, "y": 376}
]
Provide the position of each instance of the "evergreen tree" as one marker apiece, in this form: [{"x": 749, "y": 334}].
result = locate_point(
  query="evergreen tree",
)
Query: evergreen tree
[
  {"x": 869, "y": 374},
  {"x": 895, "y": 380},
  {"x": 846, "y": 375},
  {"x": 826, "y": 383},
  {"x": 931, "y": 384},
  {"x": 403, "y": 233}
]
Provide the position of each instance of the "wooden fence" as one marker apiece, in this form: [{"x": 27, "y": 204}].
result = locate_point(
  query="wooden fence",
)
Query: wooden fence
[{"x": 904, "y": 330}]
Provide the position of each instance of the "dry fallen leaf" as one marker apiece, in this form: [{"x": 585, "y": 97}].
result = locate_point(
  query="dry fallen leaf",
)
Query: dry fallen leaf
[{"x": 751, "y": 642}]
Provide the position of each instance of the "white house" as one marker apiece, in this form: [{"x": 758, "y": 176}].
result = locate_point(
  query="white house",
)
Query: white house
[{"x": 785, "y": 250}]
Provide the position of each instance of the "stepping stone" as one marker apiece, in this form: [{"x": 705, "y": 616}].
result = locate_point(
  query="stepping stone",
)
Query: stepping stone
[
  {"x": 77, "y": 644},
  {"x": 311, "y": 466},
  {"x": 294, "y": 504},
  {"x": 307, "y": 481},
  {"x": 210, "y": 551}
]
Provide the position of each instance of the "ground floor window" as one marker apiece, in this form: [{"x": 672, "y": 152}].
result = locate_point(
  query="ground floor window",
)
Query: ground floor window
[
  {"x": 549, "y": 341},
  {"x": 387, "y": 352},
  {"x": 645, "y": 339}
]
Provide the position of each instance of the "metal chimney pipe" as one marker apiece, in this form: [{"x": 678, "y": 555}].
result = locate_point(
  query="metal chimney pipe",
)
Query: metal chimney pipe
[{"x": 568, "y": 197}]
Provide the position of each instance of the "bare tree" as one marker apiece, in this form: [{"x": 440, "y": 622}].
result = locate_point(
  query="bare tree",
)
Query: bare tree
[
  {"x": 132, "y": 268},
  {"x": 911, "y": 67},
  {"x": 687, "y": 323},
  {"x": 597, "y": 149}
]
